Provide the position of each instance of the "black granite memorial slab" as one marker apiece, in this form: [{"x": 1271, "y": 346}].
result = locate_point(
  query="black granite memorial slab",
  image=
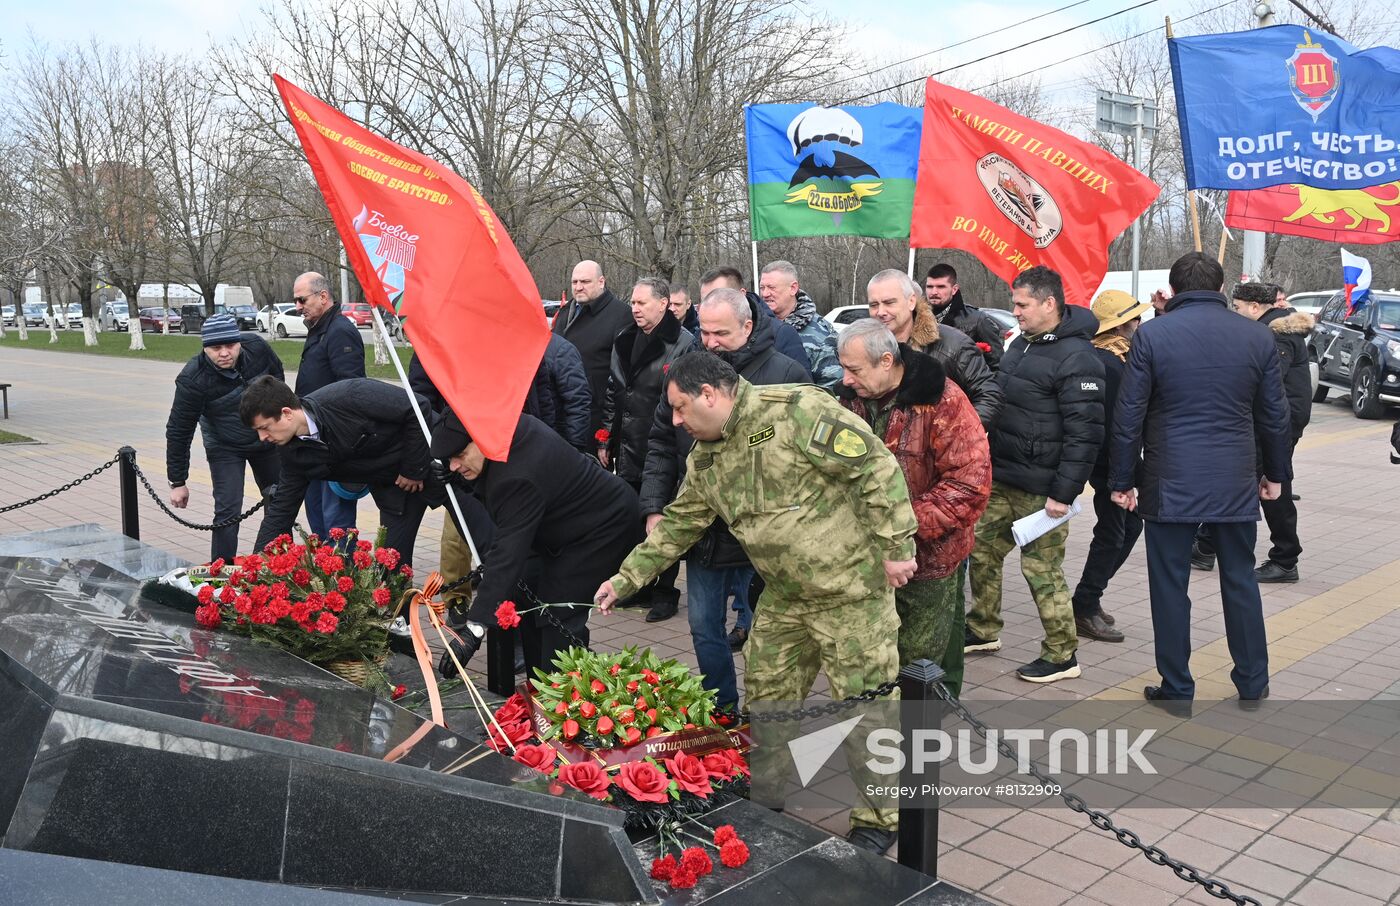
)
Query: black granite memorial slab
[{"x": 132, "y": 736}]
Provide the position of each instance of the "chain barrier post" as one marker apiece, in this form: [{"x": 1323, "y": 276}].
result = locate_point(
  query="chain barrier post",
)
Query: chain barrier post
[
  {"x": 920, "y": 709},
  {"x": 500, "y": 660},
  {"x": 131, "y": 517}
]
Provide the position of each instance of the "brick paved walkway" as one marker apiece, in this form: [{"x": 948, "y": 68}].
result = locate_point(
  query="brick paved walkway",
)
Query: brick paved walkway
[{"x": 1334, "y": 635}]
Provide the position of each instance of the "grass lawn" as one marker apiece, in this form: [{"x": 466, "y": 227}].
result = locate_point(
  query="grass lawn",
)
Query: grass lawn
[
  {"x": 175, "y": 348},
  {"x": 9, "y": 437}
]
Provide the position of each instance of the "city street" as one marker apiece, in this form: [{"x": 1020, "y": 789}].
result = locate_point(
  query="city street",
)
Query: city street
[{"x": 1332, "y": 636}]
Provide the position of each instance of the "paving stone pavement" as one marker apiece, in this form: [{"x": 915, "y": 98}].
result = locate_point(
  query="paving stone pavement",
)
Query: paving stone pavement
[{"x": 1333, "y": 636}]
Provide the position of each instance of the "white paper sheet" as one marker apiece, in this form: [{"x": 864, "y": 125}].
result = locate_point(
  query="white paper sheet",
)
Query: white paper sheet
[{"x": 1028, "y": 528}]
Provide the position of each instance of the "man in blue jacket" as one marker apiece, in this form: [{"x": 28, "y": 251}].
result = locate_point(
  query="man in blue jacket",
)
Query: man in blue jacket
[
  {"x": 333, "y": 352},
  {"x": 1199, "y": 388}
]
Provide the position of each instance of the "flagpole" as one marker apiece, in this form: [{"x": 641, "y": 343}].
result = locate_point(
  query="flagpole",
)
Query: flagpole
[
  {"x": 911, "y": 263},
  {"x": 423, "y": 423},
  {"x": 755, "y": 264},
  {"x": 1191, "y": 193}
]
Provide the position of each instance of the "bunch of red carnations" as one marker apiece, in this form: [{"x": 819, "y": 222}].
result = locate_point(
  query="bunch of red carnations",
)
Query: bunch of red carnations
[
  {"x": 322, "y": 601},
  {"x": 695, "y": 862}
]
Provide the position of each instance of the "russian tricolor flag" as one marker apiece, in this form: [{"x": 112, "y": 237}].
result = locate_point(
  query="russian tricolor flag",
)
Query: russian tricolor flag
[{"x": 1356, "y": 277}]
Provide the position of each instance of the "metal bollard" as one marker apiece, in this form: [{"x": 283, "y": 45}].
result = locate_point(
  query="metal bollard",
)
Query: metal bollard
[
  {"x": 131, "y": 518},
  {"x": 920, "y": 708},
  {"x": 500, "y": 660}
]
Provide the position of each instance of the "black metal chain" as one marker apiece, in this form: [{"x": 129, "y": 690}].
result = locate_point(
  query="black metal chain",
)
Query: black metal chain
[
  {"x": 203, "y": 527},
  {"x": 831, "y": 707},
  {"x": 1128, "y": 838},
  {"x": 59, "y": 490}
]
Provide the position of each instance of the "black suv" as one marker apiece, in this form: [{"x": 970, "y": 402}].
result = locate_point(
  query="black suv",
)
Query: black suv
[
  {"x": 192, "y": 316},
  {"x": 1359, "y": 353}
]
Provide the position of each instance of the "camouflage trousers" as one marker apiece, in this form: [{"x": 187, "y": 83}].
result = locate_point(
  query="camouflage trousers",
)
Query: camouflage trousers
[
  {"x": 931, "y": 620},
  {"x": 1042, "y": 563},
  {"x": 455, "y": 561},
  {"x": 854, "y": 645}
]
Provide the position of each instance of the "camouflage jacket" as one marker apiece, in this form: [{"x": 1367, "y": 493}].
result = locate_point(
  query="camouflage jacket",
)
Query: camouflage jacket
[
  {"x": 818, "y": 341},
  {"x": 816, "y": 501}
]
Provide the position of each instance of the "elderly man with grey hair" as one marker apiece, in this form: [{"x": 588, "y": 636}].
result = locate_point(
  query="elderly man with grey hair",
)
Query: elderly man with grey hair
[
  {"x": 929, "y": 424},
  {"x": 897, "y": 302},
  {"x": 777, "y": 287}
]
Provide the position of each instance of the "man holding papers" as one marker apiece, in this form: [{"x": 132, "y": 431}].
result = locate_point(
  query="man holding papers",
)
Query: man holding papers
[{"x": 1044, "y": 446}]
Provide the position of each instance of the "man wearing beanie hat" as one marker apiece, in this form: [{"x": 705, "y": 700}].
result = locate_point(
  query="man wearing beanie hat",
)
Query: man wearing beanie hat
[
  {"x": 1116, "y": 529},
  {"x": 562, "y": 526},
  {"x": 207, "y": 393}
]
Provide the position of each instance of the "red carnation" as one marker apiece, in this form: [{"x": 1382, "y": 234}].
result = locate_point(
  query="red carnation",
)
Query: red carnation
[
  {"x": 406, "y": 571},
  {"x": 208, "y": 616},
  {"x": 399, "y": 691},
  {"x": 344, "y": 584},
  {"x": 541, "y": 758},
  {"x": 697, "y": 860},
  {"x": 387, "y": 557},
  {"x": 227, "y": 594},
  {"x": 662, "y": 869},
  {"x": 683, "y": 878},
  {"x": 734, "y": 853},
  {"x": 217, "y": 566},
  {"x": 205, "y": 594},
  {"x": 586, "y": 777},
  {"x": 300, "y": 611},
  {"x": 363, "y": 560},
  {"x": 364, "y": 546},
  {"x": 243, "y": 603},
  {"x": 506, "y": 617},
  {"x": 690, "y": 774},
  {"x": 336, "y": 534},
  {"x": 335, "y": 601},
  {"x": 602, "y": 436},
  {"x": 643, "y": 781},
  {"x": 724, "y": 833},
  {"x": 381, "y": 597},
  {"x": 301, "y": 577},
  {"x": 326, "y": 623}
]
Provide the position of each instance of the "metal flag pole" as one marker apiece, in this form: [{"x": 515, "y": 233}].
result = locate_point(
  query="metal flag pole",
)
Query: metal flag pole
[
  {"x": 423, "y": 423},
  {"x": 911, "y": 263},
  {"x": 755, "y": 264}
]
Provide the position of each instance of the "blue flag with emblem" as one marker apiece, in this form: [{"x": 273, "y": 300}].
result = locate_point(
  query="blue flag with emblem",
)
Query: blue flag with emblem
[
  {"x": 824, "y": 171},
  {"x": 1284, "y": 105}
]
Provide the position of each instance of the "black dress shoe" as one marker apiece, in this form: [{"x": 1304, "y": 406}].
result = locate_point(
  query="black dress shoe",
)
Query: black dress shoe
[
  {"x": 1177, "y": 707},
  {"x": 1108, "y": 618},
  {"x": 737, "y": 637},
  {"x": 1201, "y": 560},
  {"x": 874, "y": 839},
  {"x": 1296, "y": 496},
  {"x": 661, "y": 610},
  {"x": 1096, "y": 627},
  {"x": 1252, "y": 704},
  {"x": 1272, "y": 572}
]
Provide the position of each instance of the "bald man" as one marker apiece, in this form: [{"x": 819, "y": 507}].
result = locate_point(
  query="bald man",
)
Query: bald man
[
  {"x": 333, "y": 352},
  {"x": 592, "y": 322}
]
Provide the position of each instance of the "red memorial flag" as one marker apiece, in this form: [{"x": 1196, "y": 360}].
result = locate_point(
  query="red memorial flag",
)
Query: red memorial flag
[
  {"x": 1017, "y": 193},
  {"x": 1354, "y": 216},
  {"x": 424, "y": 244}
]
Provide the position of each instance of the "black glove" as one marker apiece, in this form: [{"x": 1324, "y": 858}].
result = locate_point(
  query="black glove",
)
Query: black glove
[
  {"x": 441, "y": 471},
  {"x": 464, "y": 646}
]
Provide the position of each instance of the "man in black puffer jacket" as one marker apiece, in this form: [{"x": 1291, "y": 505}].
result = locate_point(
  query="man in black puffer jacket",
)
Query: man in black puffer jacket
[
  {"x": 1044, "y": 447},
  {"x": 641, "y": 356},
  {"x": 207, "y": 392},
  {"x": 1201, "y": 398},
  {"x": 739, "y": 328},
  {"x": 358, "y": 430}
]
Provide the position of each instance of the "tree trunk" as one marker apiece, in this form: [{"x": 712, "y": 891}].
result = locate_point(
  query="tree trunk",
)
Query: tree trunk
[
  {"x": 133, "y": 327},
  {"x": 89, "y": 331},
  {"x": 53, "y": 316},
  {"x": 165, "y": 303},
  {"x": 381, "y": 352}
]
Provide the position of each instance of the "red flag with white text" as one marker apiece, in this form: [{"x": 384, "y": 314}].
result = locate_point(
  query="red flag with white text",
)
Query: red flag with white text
[
  {"x": 425, "y": 244},
  {"x": 1017, "y": 193}
]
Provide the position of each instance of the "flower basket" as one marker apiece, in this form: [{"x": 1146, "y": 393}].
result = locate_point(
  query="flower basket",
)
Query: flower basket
[
  {"x": 328, "y": 603},
  {"x": 630, "y": 729}
]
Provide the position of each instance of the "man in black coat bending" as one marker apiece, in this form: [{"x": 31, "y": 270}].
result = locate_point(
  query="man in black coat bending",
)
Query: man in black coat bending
[
  {"x": 563, "y": 526},
  {"x": 1201, "y": 388},
  {"x": 357, "y": 431}
]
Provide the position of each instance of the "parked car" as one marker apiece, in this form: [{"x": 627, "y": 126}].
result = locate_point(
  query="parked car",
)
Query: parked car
[
  {"x": 72, "y": 318},
  {"x": 245, "y": 315},
  {"x": 192, "y": 316},
  {"x": 153, "y": 318},
  {"x": 842, "y": 315},
  {"x": 551, "y": 308},
  {"x": 359, "y": 313},
  {"x": 1311, "y": 302},
  {"x": 7, "y": 313},
  {"x": 114, "y": 316},
  {"x": 267, "y": 312},
  {"x": 1359, "y": 353},
  {"x": 288, "y": 323},
  {"x": 1009, "y": 328},
  {"x": 34, "y": 314}
]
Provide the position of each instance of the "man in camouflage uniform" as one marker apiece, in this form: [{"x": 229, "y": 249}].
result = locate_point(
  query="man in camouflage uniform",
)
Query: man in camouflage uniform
[
  {"x": 822, "y": 510},
  {"x": 778, "y": 288}
]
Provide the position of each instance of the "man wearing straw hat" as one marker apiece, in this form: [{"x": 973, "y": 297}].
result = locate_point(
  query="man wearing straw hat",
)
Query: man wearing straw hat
[{"x": 1116, "y": 529}]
